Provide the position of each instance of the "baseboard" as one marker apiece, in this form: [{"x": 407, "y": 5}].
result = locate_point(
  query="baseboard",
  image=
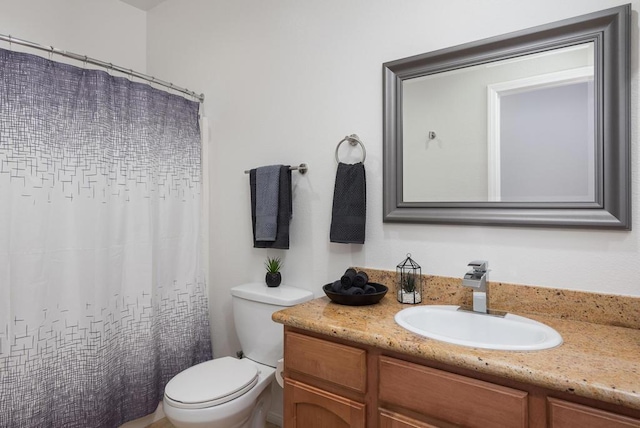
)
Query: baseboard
[{"x": 274, "y": 418}]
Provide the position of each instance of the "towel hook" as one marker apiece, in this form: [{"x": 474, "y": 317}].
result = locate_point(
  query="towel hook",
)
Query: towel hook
[{"x": 353, "y": 139}]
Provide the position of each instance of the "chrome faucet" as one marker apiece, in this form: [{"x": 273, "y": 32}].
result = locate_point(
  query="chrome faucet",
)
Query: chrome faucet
[{"x": 477, "y": 279}]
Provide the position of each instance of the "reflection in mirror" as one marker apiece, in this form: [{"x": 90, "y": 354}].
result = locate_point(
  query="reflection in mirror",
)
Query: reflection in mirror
[
  {"x": 529, "y": 128},
  {"x": 520, "y": 130}
]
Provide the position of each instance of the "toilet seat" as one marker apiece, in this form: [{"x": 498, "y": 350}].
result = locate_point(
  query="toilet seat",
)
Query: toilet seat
[{"x": 211, "y": 383}]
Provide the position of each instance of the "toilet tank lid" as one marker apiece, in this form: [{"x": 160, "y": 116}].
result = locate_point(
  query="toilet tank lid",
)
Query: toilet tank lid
[{"x": 284, "y": 295}]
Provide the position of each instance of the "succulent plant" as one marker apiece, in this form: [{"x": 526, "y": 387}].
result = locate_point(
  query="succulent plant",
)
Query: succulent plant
[
  {"x": 409, "y": 283},
  {"x": 273, "y": 264}
]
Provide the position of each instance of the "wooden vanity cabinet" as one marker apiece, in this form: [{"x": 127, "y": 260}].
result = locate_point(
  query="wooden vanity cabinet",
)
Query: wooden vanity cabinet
[
  {"x": 451, "y": 398},
  {"x": 309, "y": 407},
  {"x": 333, "y": 385},
  {"x": 390, "y": 419},
  {"x": 325, "y": 383},
  {"x": 565, "y": 414}
]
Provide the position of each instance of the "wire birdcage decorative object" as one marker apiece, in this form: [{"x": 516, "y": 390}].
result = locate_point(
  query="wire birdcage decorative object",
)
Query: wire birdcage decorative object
[{"x": 409, "y": 281}]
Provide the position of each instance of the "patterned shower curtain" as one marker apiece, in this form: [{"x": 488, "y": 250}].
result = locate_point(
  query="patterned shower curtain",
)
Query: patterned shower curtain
[{"x": 102, "y": 291}]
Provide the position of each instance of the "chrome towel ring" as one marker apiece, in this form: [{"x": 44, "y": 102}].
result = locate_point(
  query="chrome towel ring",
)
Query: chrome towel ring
[{"x": 353, "y": 139}]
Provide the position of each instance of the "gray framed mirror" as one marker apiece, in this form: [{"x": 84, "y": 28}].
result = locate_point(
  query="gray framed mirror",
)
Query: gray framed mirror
[{"x": 530, "y": 128}]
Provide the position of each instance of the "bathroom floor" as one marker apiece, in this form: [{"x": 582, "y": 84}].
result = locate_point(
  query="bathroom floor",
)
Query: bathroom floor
[{"x": 164, "y": 423}]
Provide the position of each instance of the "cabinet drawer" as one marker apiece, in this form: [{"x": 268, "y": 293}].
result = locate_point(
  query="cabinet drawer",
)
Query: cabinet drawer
[
  {"x": 339, "y": 364},
  {"x": 396, "y": 420},
  {"x": 449, "y": 397},
  {"x": 563, "y": 414}
]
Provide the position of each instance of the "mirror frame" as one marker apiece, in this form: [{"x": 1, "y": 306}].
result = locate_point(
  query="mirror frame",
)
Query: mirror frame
[{"x": 610, "y": 31}]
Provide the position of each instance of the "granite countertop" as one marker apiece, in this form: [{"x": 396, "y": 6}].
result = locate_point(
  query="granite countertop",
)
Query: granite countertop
[{"x": 595, "y": 361}]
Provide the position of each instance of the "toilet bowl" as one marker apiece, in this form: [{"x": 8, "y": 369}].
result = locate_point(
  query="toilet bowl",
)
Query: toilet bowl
[
  {"x": 229, "y": 392},
  {"x": 225, "y": 392}
]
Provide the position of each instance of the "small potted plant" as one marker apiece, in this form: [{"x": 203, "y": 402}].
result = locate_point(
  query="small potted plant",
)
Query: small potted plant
[
  {"x": 273, "y": 277},
  {"x": 409, "y": 293},
  {"x": 409, "y": 285},
  {"x": 409, "y": 281}
]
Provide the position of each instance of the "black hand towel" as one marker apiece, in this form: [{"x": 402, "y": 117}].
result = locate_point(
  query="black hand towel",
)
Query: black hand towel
[
  {"x": 361, "y": 279},
  {"x": 349, "y": 205},
  {"x": 353, "y": 291},
  {"x": 285, "y": 210},
  {"x": 370, "y": 289},
  {"x": 347, "y": 279},
  {"x": 336, "y": 287}
]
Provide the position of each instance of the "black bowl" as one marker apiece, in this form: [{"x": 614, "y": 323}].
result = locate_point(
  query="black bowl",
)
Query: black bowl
[{"x": 357, "y": 299}]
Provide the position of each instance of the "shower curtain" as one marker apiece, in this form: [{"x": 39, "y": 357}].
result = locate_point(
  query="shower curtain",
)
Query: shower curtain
[{"x": 102, "y": 291}]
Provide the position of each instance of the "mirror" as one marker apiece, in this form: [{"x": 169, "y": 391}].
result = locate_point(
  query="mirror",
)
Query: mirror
[
  {"x": 521, "y": 129},
  {"x": 517, "y": 114}
]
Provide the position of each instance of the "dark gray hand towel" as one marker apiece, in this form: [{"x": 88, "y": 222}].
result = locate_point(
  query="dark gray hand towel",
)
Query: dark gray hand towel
[
  {"x": 347, "y": 279},
  {"x": 349, "y": 205},
  {"x": 369, "y": 289},
  {"x": 285, "y": 210},
  {"x": 361, "y": 279},
  {"x": 353, "y": 291},
  {"x": 267, "y": 192}
]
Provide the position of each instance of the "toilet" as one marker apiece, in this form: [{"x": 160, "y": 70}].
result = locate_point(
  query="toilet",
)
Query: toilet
[{"x": 236, "y": 393}]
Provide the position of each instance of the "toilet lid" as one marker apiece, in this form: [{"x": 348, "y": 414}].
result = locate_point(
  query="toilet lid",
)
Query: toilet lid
[{"x": 211, "y": 383}]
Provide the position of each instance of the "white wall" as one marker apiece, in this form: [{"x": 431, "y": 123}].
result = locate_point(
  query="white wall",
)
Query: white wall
[
  {"x": 108, "y": 30},
  {"x": 285, "y": 80}
]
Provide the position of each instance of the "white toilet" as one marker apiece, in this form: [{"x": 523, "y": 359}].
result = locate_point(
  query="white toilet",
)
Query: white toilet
[{"x": 236, "y": 393}]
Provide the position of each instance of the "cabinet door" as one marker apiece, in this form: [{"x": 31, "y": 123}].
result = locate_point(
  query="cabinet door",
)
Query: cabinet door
[
  {"x": 309, "y": 407},
  {"x": 563, "y": 414}
]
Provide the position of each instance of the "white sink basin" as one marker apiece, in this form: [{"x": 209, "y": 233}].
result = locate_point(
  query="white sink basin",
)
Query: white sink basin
[{"x": 448, "y": 324}]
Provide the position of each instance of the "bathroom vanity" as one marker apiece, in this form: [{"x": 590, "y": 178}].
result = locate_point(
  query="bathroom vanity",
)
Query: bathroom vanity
[{"x": 355, "y": 367}]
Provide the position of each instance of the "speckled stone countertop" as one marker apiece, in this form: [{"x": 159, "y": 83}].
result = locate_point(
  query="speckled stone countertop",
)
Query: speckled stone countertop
[{"x": 596, "y": 360}]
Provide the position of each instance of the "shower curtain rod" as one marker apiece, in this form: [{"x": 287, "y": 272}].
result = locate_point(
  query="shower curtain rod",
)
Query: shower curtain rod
[{"x": 108, "y": 65}]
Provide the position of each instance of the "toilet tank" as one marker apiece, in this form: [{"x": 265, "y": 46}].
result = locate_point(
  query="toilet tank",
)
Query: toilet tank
[{"x": 261, "y": 338}]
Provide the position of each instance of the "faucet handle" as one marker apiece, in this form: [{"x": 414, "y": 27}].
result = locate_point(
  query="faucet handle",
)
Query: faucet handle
[{"x": 479, "y": 265}]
